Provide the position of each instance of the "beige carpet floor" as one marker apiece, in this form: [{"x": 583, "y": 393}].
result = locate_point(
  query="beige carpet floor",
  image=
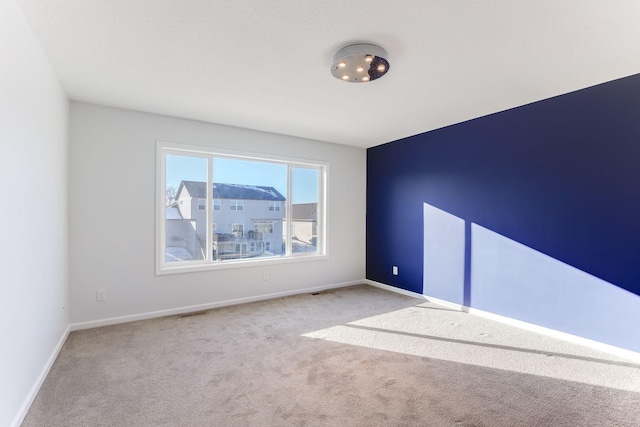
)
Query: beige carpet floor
[{"x": 357, "y": 356}]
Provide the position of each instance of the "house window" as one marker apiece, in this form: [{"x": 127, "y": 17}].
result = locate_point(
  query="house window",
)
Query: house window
[
  {"x": 263, "y": 226},
  {"x": 275, "y": 194},
  {"x": 237, "y": 230},
  {"x": 274, "y": 206}
]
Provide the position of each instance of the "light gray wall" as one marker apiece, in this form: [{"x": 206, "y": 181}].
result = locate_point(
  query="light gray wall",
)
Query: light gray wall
[
  {"x": 33, "y": 254},
  {"x": 112, "y": 215}
]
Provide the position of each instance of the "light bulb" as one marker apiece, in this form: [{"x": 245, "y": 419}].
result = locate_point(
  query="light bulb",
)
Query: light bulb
[
  {"x": 345, "y": 77},
  {"x": 365, "y": 78},
  {"x": 342, "y": 65},
  {"x": 368, "y": 58},
  {"x": 381, "y": 67},
  {"x": 360, "y": 69}
]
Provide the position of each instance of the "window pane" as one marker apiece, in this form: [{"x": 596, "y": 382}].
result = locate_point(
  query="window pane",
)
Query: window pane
[
  {"x": 304, "y": 207},
  {"x": 251, "y": 189},
  {"x": 185, "y": 224}
]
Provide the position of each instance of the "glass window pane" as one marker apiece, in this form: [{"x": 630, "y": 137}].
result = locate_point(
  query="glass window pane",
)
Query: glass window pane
[
  {"x": 304, "y": 207},
  {"x": 185, "y": 224},
  {"x": 251, "y": 190}
]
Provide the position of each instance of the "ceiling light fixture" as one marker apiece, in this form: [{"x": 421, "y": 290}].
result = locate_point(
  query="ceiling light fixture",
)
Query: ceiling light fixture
[{"x": 359, "y": 63}]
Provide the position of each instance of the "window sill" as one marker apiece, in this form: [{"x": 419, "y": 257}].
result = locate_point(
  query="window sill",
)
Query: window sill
[{"x": 240, "y": 263}]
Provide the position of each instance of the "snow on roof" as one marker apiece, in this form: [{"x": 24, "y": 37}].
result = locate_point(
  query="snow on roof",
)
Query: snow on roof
[
  {"x": 177, "y": 253},
  {"x": 232, "y": 191}
]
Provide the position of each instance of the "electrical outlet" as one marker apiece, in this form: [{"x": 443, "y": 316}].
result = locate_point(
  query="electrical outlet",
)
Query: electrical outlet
[
  {"x": 395, "y": 270},
  {"x": 101, "y": 295},
  {"x": 265, "y": 276}
]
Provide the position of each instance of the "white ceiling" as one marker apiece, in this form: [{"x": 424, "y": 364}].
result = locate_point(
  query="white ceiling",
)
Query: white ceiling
[{"x": 264, "y": 65}]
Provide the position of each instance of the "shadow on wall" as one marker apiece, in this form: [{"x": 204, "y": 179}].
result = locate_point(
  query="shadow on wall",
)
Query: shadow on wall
[{"x": 468, "y": 264}]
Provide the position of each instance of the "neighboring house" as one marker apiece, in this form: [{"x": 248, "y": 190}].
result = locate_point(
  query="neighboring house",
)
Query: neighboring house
[
  {"x": 247, "y": 219},
  {"x": 304, "y": 222},
  {"x": 182, "y": 241}
]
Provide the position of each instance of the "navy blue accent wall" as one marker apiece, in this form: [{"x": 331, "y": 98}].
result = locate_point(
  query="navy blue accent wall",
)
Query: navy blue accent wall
[{"x": 561, "y": 176}]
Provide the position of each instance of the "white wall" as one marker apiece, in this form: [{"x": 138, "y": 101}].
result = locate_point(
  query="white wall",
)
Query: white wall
[
  {"x": 33, "y": 249},
  {"x": 112, "y": 216}
]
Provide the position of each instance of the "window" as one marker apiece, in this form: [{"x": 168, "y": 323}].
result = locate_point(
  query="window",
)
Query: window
[
  {"x": 305, "y": 203},
  {"x": 237, "y": 230},
  {"x": 263, "y": 226},
  {"x": 282, "y": 199}
]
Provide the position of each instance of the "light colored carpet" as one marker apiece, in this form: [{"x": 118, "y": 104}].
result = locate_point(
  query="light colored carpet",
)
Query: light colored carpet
[{"x": 357, "y": 356}]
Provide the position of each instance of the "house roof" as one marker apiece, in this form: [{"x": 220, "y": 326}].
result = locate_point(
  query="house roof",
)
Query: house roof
[{"x": 232, "y": 191}]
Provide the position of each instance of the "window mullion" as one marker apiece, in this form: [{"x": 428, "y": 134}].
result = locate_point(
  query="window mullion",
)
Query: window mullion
[
  {"x": 289, "y": 212},
  {"x": 320, "y": 212},
  {"x": 209, "y": 239}
]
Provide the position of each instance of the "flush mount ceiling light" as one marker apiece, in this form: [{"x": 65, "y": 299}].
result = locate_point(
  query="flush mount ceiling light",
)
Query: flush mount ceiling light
[{"x": 360, "y": 63}]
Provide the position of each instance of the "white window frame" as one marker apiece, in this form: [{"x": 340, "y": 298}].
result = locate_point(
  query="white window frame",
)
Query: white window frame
[
  {"x": 237, "y": 227},
  {"x": 202, "y": 204},
  {"x": 274, "y": 206},
  {"x": 169, "y": 148},
  {"x": 236, "y": 205},
  {"x": 217, "y": 204},
  {"x": 269, "y": 224}
]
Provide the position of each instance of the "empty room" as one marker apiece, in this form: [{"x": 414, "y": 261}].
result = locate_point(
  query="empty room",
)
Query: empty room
[{"x": 298, "y": 213}]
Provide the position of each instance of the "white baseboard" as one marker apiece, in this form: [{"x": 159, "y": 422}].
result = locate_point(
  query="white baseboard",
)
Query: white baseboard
[
  {"x": 200, "y": 307},
  {"x": 607, "y": 348},
  {"x": 19, "y": 418},
  {"x": 596, "y": 345},
  {"x": 24, "y": 409},
  {"x": 394, "y": 289},
  {"x": 441, "y": 302}
]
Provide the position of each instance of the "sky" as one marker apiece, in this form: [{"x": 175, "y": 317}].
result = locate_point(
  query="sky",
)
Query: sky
[{"x": 232, "y": 171}]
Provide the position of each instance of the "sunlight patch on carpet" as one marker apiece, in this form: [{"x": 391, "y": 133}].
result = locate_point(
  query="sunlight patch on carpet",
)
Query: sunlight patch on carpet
[{"x": 428, "y": 331}]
